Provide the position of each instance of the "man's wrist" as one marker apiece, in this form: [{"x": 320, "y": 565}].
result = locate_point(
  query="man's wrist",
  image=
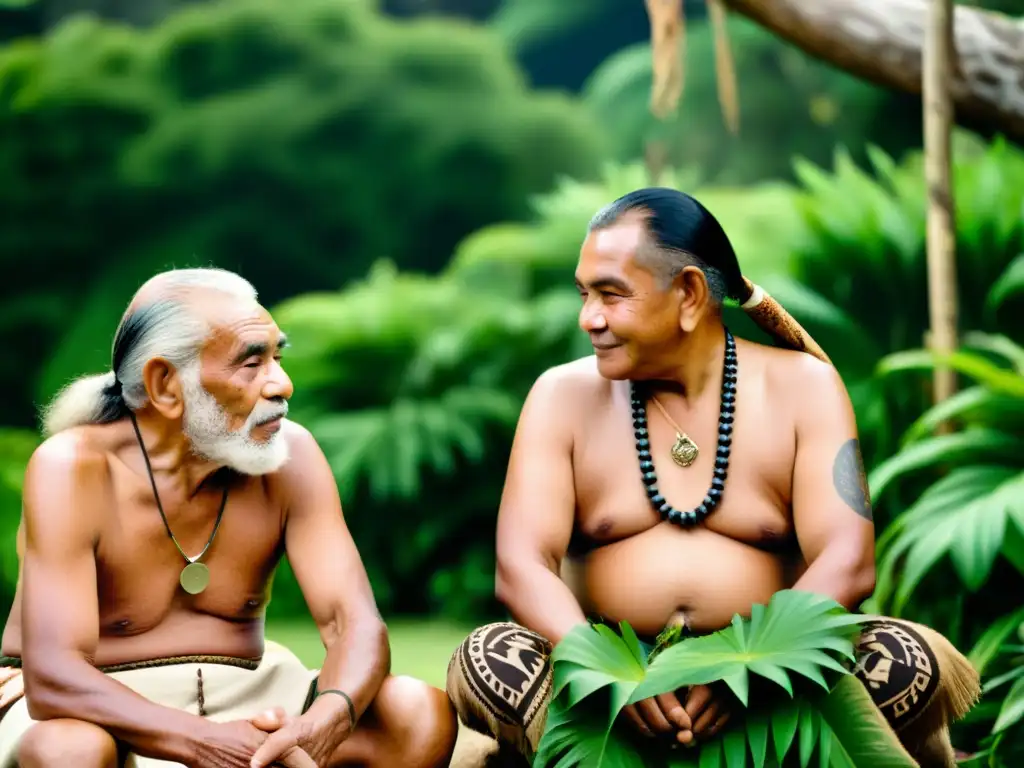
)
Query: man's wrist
[{"x": 332, "y": 710}]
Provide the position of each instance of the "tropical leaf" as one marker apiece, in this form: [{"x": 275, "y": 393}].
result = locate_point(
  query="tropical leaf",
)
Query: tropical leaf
[
  {"x": 1012, "y": 711},
  {"x": 973, "y": 512},
  {"x": 767, "y": 645},
  {"x": 975, "y": 444},
  {"x": 389, "y": 446},
  {"x": 860, "y": 735},
  {"x": 1009, "y": 284},
  {"x": 969, "y": 364},
  {"x": 797, "y": 641},
  {"x": 966, "y": 518},
  {"x": 988, "y": 646},
  {"x": 975, "y": 406}
]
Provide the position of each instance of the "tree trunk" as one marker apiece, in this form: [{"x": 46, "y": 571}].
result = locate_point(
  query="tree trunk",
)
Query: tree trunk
[
  {"x": 941, "y": 241},
  {"x": 882, "y": 41}
]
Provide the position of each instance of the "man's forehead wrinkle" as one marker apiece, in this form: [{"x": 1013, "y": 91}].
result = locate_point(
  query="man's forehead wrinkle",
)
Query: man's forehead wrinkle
[{"x": 241, "y": 332}]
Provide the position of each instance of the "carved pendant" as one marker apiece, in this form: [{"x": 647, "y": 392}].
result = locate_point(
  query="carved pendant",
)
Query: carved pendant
[
  {"x": 685, "y": 451},
  {"x": 194, "y": 578}
]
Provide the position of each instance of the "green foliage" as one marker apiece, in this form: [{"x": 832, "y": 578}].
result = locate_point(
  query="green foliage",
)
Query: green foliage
[
  {"x": 966, "y": 524},
  {"x": 412, "y": 385},
  {"x": 975, "y": 511},
  {"x": 789, "y": 104},
  {"x": 526, "y": 258},
  {"x": 524, "y": 23},
  {"x": 859, "y": 282},
  {"x": 800, "y": 643},
  {"x": 16, "y": 448},
  {"x": 256, "y": 136}
]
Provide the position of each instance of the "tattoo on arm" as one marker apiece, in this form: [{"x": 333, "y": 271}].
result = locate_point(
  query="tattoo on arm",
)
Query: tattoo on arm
[{"x": 850, "y": 480}]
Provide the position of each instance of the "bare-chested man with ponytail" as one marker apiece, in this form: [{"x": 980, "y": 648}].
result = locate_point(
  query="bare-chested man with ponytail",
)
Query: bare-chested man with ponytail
[
  {"x": 678, "y": 476},
  {"x": 154, "y": 516}
]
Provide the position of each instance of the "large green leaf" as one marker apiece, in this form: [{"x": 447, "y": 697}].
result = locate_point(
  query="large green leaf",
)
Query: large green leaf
[
  {"x": 1012, "y": 711},
  {"x": 970, "y": 530},
  {"x": 949, "y": 496},
  {"x": 975, "y": 405},
  {"x": 797, "y": 641},
  {"x": 967, "y": 363},
  {"x": 971, "y": 445},
  {"x": 860, "y": 734},
  {"x": 794, "y": 634}
]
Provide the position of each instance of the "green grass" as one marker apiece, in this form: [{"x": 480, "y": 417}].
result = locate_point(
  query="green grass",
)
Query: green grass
[{"x": 420, "y": 648}]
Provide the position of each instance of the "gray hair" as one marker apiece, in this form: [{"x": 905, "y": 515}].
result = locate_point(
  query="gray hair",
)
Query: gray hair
[{"x": 166, "y": 326}]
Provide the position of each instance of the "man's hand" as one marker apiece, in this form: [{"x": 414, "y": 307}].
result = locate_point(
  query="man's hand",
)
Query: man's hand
[
  {"x": 708, "y": 708},
  {"x": 659, "y": 716},
  {"x": 314, "y": 736},
  {"x": 237, "y": 744},
  {"x": 12, "y": 686}
]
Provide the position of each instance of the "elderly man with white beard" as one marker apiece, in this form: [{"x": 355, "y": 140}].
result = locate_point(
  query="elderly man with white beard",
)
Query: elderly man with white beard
[{"x": 154, "y": 516}]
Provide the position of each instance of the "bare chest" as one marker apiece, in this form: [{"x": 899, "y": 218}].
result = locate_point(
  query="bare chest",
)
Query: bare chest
[
  {"x": 139, "y": 564},
  {"x": 613, "y": 502}
]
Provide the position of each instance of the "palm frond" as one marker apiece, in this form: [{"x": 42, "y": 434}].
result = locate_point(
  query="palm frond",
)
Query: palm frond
[
  {"x": 967, "y": 518},
  {"x": 797, "y": 641},
  {"x": 390, "y": 447},
  {"x": 972, "y": 445},
  {"x": 976, "y": 406},
  {"x": 965, "y": 362}
]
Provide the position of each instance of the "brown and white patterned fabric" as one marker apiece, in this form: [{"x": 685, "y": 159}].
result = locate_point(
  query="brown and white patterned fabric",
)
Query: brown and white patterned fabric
[{"x": 500, "y": 679}]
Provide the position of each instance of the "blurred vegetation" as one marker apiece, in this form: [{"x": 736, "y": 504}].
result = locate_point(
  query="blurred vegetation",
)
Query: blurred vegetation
[
  {"x": 411, "y": 206},
  {"x": 250, "y": 135}
]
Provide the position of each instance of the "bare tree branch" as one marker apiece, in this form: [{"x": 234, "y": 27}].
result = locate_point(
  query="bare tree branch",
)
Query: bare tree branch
[{"x": 881, "y": 41}]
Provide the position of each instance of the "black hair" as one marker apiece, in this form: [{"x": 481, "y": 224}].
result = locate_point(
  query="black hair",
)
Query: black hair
[{"x": 676, "y": 222}]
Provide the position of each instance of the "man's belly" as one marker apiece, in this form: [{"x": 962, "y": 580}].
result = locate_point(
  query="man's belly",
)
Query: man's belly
[
  {"x": 182, "y": 633},
  {"x": 185, "y": 634},
  {"x": 647, "y": 578}
]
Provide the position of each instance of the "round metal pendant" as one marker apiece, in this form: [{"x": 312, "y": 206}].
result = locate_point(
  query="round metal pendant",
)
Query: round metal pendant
[
  {"x": 685, "y": 451},
  {"x": 194, "y": 578}
]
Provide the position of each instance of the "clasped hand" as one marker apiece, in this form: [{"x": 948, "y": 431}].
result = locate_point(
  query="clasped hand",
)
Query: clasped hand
[
  {"x": 274, "y": 738},
  {"x": 704, "y": 713}
]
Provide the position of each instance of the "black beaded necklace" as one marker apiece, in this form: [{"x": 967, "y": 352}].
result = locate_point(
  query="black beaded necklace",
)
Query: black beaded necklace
[{"x": 725, "y": 419}]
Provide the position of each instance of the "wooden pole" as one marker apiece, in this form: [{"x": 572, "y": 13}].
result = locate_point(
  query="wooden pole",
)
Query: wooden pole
[{"x": 938, "y": 73}]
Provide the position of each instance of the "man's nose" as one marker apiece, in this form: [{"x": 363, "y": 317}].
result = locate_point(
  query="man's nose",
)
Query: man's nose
[
  {"x": 592, "y": 318},
  {"x": 278, "y": 385}
]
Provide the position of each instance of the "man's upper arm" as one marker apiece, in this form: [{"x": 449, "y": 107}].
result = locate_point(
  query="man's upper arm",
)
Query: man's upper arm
[
  {"x": 831, "y": 500},
  {"x": 538, "y": 503},
  {"x": 318, "y": 543},
  {"x": 64, "y": 486}
]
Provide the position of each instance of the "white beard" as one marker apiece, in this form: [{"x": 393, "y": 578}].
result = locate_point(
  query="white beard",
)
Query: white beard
[{"x": 206, "y": 426}]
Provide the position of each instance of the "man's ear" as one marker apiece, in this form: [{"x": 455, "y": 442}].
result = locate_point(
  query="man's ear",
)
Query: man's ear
[
  {"x": 163, "y": 388},
  {"x": 695, "y": 297}
]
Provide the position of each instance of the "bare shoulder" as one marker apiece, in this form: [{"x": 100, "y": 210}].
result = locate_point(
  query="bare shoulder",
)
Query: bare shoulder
[
  {"x": 300, "y": 440},
  {"x": 306, "y": 468},
  {"x": 796, "y": 375},
  {"x": 68, "y": 478},
  {"x": 809, "y": 388},
  {"x": 573, "y": 386},
  {"x": 74, "y": 456}
]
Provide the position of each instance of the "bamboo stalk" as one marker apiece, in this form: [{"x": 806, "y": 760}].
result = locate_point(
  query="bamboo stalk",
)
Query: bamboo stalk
[
  {"x": 938, "y": 71},
  {"x": 668, "y": 36}
]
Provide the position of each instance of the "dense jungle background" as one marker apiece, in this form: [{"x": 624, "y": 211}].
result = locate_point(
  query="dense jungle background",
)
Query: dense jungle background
[{"x": 407, "y": 183}]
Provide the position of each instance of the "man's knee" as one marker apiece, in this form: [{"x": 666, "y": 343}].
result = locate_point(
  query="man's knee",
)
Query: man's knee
[
  {"x": 499, "y": 680},
  {"x": 419, "y": 720},
  {"x": 54, "y": 743}
]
